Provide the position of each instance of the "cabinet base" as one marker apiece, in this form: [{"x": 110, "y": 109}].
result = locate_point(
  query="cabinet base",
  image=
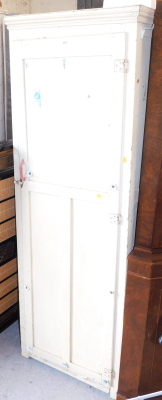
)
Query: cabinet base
[{"x": 141, "y": 358}]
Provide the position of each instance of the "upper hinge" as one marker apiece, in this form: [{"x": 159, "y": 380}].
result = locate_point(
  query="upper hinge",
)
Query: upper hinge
[
  {"x": 114, "y": 218},
  {"x": 121, "y": 65}
]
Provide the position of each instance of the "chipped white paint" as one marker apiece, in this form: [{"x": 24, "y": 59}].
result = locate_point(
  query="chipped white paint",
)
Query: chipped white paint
[{"x": 82, "y": 140}]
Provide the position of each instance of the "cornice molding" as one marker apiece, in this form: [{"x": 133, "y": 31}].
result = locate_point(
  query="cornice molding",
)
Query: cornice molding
[{"x": 81, "y": 18}]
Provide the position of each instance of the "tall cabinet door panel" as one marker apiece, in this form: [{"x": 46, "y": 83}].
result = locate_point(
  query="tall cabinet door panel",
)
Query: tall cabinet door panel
[{"x": 69, "y": 152}]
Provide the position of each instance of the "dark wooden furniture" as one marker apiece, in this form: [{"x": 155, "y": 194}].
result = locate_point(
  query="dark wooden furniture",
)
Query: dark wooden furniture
[
  {"x": 89, "y": 4},
  {"x": 141, "y": 357},
  {"x": 8, "y": 261}
]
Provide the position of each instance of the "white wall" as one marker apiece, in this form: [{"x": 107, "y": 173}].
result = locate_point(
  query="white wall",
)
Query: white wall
[
  {"x": 15, "y": 7},
  {"x": 39, "y": 6},
  {"x": 36, "y": 6}
]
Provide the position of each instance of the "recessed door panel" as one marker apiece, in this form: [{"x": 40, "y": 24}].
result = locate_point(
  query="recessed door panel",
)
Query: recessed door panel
[
  {"x": 50, "y": 250},
  {"x": 69, "y": 103},
  {"x": 93, "y": 286}
]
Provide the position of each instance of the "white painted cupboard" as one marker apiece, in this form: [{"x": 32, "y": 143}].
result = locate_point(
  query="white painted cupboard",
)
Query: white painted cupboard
[{"x": 79, "y": 89}]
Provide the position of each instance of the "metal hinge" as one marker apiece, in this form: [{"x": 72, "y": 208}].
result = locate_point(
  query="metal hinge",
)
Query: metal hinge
[
  {"x": 115, "y": 218},
  {"x": 121, "y": 65},
  {"x": 19, "y": 182},
  {"x": 107, "y": 376},
  {"x": 29, "y": 350},
  {"x": 65, "y": 365}
]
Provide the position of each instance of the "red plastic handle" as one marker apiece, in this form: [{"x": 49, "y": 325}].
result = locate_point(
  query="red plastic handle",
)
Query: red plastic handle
[{"x": 22, "y": 177}]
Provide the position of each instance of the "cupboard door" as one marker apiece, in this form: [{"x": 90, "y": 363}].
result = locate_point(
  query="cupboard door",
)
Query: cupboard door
[{"x": 71, "y": 96}]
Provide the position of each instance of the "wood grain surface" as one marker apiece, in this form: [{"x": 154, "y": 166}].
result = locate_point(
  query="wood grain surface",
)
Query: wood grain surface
[
  {"x": 8, "y": 285},
  {"x": 9, "y": 300},
  {"x": 149, "y": 221},
  {"x": 7, "y": 229},
  {"x": 7, "y": 209},
  {"x": 6, "y": 161},
  {"x": 141, "y": 356},
  {"x": 8, "y": 269},
  {"x": 7, "y": 188}
]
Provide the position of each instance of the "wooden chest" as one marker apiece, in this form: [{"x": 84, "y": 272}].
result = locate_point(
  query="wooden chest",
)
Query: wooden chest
[{"x": 8, "y": 260}]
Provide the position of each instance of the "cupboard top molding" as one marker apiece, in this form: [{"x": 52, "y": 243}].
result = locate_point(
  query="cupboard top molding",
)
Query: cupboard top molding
[{"x": 106, "y": 16}]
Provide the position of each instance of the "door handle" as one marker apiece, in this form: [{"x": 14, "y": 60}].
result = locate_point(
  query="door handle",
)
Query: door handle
[
  {"x": 22, "y": 167},
  {"x": 23, "y": 176}
]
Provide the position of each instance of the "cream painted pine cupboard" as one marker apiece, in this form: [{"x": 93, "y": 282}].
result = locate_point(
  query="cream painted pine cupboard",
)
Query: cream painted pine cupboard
[{"x": 79, "y": 87}]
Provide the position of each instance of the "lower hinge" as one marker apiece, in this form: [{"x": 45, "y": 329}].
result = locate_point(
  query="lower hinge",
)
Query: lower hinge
[
  {"x": 114, "y": 218},
  {"x": 121, "y": 65},
  {"x": 29, "y": 350},
  {"x": 107, "y": 376}
]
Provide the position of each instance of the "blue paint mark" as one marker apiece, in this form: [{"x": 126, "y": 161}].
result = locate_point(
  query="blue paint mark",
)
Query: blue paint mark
[
  {"x": 37, "y": 96},
  {"x": 105, "y": 382}
]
